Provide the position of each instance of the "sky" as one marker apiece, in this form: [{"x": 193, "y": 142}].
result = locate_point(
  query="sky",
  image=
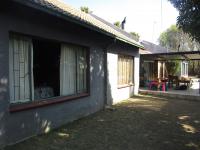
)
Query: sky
[{"x": 142, "y": 16}]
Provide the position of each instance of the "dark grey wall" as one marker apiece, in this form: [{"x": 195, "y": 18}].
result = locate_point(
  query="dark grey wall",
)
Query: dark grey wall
[
  {"x": 118, "y": 47},
  {"x": 3, "y": 78},
  {"x": 15, "y": 127}
]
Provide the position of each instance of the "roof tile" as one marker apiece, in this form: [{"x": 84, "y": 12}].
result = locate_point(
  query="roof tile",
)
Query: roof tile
[{"x": 63, "y": 8}]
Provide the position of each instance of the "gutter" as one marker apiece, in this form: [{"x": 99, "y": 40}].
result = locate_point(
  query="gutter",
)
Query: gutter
[{"x": 126, "y": 41}]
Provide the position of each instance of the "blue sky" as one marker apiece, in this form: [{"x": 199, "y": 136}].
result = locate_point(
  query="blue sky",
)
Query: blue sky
[{"x": 143, "y": 16}]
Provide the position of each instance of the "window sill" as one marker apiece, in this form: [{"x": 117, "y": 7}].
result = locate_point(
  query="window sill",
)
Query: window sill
[
  {"x": 42, "y": 103},
  {"x": 124, "y": 86}
]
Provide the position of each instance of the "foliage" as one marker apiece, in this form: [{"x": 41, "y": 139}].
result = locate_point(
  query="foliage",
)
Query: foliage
[
  {"x": 193, "y": 68},
  {"x": 189, "y": 16},
  {"x": 117, "y": 23},
  {"x": 135, "y": 36},
  {"x": 169, "y": 38},
  {"x": 173, "y": 67},
  {"x": 176, "y": 40},
  {"x": 85, "y": 9}
]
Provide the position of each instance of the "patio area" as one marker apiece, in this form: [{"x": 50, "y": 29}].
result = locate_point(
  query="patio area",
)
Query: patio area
[
  {"x": 171, "y": 74},
  {"x": 141, "y": 123},
  {"x": 192, "y": 93}
]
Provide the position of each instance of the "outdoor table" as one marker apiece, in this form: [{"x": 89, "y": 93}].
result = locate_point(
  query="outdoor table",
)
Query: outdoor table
[{"x": 185, "y": 82}]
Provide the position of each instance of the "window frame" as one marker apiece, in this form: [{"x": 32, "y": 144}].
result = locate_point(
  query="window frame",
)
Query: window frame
[
  {"x": 184, "y": 68},
  {"x": 35, "y": 103},
  {"x": 124, "y": 85}
]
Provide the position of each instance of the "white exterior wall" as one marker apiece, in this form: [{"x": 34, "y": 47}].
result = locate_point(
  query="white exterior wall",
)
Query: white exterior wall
[
  {"x": 159, "y": 66},
  {"x": 115, "y": 94},
  {"x": 136, "y": 74}
]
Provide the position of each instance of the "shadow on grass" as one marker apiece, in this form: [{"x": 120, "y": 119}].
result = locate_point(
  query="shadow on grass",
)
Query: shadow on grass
[{"x": 141, "y": 123}]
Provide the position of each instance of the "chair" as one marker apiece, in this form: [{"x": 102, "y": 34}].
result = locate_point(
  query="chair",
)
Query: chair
[
  {"x": 163, "y": 86},
  {"x": 172, "y": 80},
  {"x": 153, "y": 85}
]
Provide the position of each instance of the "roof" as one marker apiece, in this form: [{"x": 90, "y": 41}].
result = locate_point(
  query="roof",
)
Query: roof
[
  {"x": 113, "y": 26},
  {"x": 156, "y": 52},
  {"x": 63, "y": 10},
  {"x": 153, "y": 48},
  {"x": 189, "y": 55}
]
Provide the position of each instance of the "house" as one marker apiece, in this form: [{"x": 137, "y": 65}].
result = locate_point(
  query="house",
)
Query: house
[
  {"x": 57, "y": 65},
  {"x": 154, "y": 59}
]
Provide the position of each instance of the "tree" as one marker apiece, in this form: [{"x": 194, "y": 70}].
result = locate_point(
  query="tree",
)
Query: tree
[
  {"x": 189, "y": 16},
  {"x": 176, "y": 40},
  {"x": 169, "y": 38},
  {"x": 135, "y": 36},
  {"x": 85, "y": 9},
  {"x": 172, "y": 67},
  {"x": 117, "y": 23}
]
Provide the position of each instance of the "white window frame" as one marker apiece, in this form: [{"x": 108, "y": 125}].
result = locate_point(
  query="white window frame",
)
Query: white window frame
[
  {"x": 184, "y": 69},
  {"x": 121, "y": 71}
]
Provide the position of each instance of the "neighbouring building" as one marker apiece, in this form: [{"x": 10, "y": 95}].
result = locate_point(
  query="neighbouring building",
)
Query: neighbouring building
[
  {"x": 154, "y": 58},
  {"x": 59, "y": 64}
]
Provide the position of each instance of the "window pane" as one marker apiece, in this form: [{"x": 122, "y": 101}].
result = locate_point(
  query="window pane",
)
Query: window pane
[
  {"x": 131, "y": 71},
  {"x": 68, "y": 70},
  {"x": 125, "y": 70},
  {"x": 46, "y": 69},
  {"x": 19, "y": 49},
  {"x": 73, "y": 70},
  {"x": 81, "y": 70},
  {"x": 119, "y": 71}
]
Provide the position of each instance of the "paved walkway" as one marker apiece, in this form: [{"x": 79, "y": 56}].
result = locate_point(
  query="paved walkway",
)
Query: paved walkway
[{"x": 140, "y": 123}]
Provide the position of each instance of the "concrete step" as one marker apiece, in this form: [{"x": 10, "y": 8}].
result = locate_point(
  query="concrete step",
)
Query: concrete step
[{"x": 178, "y": 96}]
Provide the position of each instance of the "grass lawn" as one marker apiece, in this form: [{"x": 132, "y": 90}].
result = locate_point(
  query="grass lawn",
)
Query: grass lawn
[{"x": 140, "y": 123}]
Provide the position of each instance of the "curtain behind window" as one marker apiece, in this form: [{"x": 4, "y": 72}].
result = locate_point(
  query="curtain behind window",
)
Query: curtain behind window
[
  {"x": 72, "y": 70},
  {"x": 81, "y": 70},
  {"x": 20, "y": 51},
  {"x": 67, "y": 70},
  {"x": 125, "y": 70}
]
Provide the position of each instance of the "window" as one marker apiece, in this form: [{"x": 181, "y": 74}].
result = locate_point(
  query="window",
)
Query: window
[
  {"x": 20, "y": 50},
  {"x": 125, "y": 70},
  {"x": 73, "y": 68},
  {"x": 41, "y": 69},
  {"x": 184, "y": 68}
]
